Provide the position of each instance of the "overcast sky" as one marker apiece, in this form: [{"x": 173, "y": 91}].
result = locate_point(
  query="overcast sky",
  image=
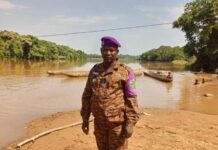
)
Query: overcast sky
[{"x": 42, "y": 17}]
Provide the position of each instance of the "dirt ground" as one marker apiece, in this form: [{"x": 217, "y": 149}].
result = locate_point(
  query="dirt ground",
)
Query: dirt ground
[
  {"x": 162, "y": 129},
  {"x": 157, "y": 129}
]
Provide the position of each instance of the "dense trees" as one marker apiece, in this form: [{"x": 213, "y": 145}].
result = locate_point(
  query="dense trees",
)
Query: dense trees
[
  {"x": 13, "y": 45},
  {"x": 200, "y": 23},
  {"x": 122, "y": 57},
  {"x": 127, "y": 57},
  {"x": 164, "y": 53}
]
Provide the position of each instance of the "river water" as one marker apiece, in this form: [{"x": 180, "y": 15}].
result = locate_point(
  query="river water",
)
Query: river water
[{"x": 27, "y": 92}]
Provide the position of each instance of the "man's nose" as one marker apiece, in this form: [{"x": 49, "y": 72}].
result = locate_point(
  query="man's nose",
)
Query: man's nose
[{"x": 107, "y": 52}]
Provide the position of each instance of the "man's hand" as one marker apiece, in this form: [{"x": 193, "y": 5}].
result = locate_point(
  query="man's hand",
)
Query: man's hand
[
  {"x": 85, "y": 127},
  {"x": 128, "y": 131}
]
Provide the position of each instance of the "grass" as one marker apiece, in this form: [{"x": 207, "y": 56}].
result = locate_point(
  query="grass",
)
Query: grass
[{"x": 180, "y": 62}]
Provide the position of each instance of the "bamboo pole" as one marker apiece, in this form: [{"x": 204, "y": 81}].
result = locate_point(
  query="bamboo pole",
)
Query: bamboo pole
[{"x": 32, "y": 139}]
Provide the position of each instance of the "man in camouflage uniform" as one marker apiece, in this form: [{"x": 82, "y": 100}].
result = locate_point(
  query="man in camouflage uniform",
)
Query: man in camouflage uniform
[{"x": 110, "y": 95}]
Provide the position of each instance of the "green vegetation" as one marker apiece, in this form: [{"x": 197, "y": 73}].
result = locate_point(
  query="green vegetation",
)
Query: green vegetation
[
  {"x": 128, "y": 57},
  {"x": 200, "y": 24},
  {"x": 94, "y": 56},
  {"x": 13, "y": 45},
  {"x": 123, "y": 58},
  {"x": 179, "y": 62},
  {"x": 164, "y": 54}
]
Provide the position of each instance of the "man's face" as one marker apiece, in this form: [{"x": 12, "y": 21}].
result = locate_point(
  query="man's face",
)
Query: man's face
[{"x": 109, "y": 54}]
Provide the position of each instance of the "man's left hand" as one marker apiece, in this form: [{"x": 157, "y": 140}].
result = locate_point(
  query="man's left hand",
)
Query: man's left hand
[{"x": 85, "y": 127}]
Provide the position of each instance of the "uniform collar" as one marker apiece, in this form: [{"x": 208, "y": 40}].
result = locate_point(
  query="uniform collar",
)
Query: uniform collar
[
  {"x": 112, "y": 68},
  {"x": 116, "y": 64}
]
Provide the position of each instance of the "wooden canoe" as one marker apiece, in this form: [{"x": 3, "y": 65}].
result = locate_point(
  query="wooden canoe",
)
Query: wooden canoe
[
  {"x": 58, "y": 72},
  {"x": 165, "y": 76},
  {"x": 70, "y": 73},
  {"x": 77, "y": 74}
]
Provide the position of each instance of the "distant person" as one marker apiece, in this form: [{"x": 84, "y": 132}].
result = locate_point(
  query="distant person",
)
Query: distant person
[
  {"x": 169, "y": 75},
  {"x": 110, "y": 95},
  {"x": 203, "y": 80},
  {"x": 216, "y": 71},
  {"x": 196, "y": 82}
]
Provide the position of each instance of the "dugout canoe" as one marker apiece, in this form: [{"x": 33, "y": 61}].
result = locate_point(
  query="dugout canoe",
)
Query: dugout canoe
[
  {"x": 69, "y": 73},
  {"x": 58, "y": 72},
  {"x": 165, "y": 76},
  {"x": 138, "y": 72},
  {"x": 77, "y": 74}
]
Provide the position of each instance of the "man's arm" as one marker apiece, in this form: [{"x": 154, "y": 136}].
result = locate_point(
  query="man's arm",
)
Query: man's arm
[
  {"x": 86, "y": 105},
  {"x": 131, "y": 114},
  {"x": 86, "y": 96},
  {"x": 131, "y": 111}
]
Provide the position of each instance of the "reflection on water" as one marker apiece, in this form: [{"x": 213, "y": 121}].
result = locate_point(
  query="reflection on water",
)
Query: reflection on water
[
  {"x": 163, "y": 66},
  {"x": 34, "y": 68},
  {"x": 28, "y": 92}
]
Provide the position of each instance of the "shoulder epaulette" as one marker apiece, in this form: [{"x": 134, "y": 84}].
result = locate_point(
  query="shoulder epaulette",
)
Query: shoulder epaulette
[
  {"x": 97, "y": 65},
  {"x": 127, "y": 67}
]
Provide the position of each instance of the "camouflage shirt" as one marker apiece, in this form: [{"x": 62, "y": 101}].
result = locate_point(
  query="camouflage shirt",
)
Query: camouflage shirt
[{"x": 110, "y": 95}]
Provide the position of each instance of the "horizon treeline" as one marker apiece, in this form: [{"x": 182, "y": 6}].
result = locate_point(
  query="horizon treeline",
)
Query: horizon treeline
[
  {"x": 164, "y": 54},
  {"x": 16, "y": 46}
]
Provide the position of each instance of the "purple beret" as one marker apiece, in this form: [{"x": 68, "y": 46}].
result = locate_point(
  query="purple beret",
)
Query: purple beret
[{"x": 109, "y": 41}]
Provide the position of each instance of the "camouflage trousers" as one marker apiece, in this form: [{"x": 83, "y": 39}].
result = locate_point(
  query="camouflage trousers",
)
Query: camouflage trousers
[{"x": 109, "y": 136}]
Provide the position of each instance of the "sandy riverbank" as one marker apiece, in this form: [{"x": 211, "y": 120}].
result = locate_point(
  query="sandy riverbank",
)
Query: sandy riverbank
[{"x": 163, "y": 129}]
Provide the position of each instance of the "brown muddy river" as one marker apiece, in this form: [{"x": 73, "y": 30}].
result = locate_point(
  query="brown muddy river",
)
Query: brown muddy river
[{"x": 27, "y": 92}]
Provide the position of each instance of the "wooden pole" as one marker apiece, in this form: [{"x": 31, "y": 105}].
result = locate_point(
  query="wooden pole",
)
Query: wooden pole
[{"x": 32, "y": 139}]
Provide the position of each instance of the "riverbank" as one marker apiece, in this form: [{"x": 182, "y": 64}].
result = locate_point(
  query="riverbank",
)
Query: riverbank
[{"x": 162, "y": 129}]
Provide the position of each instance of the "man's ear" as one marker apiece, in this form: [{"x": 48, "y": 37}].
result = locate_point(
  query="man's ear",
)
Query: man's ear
[{"x": 117, "y": 51}]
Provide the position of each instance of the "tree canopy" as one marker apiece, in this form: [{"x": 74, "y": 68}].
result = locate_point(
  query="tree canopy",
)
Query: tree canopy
[
  {"x": 164, "y": 53},
  {"x": 13, "y": 45},
  {"x": 200, "y": 24}
]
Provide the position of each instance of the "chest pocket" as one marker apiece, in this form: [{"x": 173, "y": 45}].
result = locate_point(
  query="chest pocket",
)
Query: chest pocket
[
  {"x": 116, "y": 81},
  {"x": 105, "y": 85}
]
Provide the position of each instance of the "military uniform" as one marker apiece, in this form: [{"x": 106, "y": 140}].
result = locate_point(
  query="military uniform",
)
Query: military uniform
[{"x": 110, "y": 95}]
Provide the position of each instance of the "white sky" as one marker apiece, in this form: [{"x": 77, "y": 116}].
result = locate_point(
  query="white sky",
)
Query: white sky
[{"x": 42, "y": 17}]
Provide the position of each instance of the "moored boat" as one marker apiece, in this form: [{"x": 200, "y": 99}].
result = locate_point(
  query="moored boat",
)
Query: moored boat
[
  {"x": 71, "y": 73},
  {"x": 165, "y": 76},
  {"x": 77, "y": 74}
]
